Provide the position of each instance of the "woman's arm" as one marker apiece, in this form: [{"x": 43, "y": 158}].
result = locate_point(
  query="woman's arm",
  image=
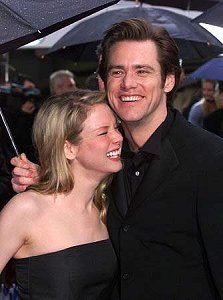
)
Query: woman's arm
[{"x": 14, "y": 226}]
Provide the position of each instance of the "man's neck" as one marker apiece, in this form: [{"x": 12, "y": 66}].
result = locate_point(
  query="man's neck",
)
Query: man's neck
[{"x": 137, "y": 133}]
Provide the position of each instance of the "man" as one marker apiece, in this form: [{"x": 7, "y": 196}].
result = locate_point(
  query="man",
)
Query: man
[
  {"x": 214, "y": 121},
  {"x": 165, "y": 218},
  {"x": 6, "y": 191},
  {"x": 62, "y": 81},
  {"x": 205, "y": 105}
]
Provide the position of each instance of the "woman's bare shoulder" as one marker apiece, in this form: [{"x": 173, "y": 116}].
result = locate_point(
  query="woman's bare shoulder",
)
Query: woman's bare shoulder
[{"x": 25, "y": 203}]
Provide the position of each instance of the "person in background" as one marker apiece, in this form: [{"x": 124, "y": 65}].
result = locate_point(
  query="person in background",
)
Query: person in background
[
  {"x": 187, "y": 91},
  {"x": 6, "y": 191},
  {"x": 91, "y": 82},
  {"x": 22, "y": 107},
  {"x": 165, "y": 213},
  {"x": 214, "y": 121},
  {"x": 206, "y": 105},
  {"x": 56, "y": 231},
  {"x": 21, "y": 88},
  {"x": 62, "y": 81}
]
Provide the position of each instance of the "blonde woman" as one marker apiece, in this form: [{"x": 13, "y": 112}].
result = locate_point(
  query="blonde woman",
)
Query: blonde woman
[{"x": 56, "y": 231}]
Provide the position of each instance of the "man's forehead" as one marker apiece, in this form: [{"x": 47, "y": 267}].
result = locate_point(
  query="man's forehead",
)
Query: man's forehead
[
  {"x": 124, "y": 50},
  {"x": 133, "y": 60},
  {"x": 134, "y": 43}
]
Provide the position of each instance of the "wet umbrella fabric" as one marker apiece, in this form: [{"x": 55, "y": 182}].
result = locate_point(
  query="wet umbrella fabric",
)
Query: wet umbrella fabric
[
  {"x": 24, "y": 21},
  {"x": 91, "y": 29},
  {"x": 199, "y": 5},
  {"x": 189, "y": 52},
  {"x": 212, "y": 16},
  {"x": 212, "y": 70}
]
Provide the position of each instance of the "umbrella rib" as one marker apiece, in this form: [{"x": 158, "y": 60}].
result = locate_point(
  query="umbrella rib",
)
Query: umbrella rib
[
  {"x": 188, "y": 5},
  {"x": 19, "y": 16}
]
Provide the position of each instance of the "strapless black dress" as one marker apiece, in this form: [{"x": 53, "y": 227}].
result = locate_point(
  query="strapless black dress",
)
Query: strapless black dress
[{"x": 83, "y": 272}]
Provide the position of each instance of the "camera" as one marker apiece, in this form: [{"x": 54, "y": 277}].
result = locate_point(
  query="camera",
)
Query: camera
[{"x": 14, "y": 96}]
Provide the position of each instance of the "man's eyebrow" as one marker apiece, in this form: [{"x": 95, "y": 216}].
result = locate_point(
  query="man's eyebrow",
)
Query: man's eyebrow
[
  {"x": 115, "y": 67},
  {"x": 139, "y": 66}
]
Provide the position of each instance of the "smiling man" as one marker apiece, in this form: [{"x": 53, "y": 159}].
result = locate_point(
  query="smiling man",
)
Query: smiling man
[
  {"x": 165, "y": 215},
  {"x": 165, "y": 219}
]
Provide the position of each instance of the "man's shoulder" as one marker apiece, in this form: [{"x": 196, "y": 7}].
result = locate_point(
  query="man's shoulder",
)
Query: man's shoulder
[
  {"x": 183, "y": 133},
  {"x": 215, "y": 116},
  {"x": 197, "y": 104}
]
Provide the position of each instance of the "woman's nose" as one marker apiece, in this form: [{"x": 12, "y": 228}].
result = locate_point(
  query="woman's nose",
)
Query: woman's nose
[{"x": 117, "y": 137}]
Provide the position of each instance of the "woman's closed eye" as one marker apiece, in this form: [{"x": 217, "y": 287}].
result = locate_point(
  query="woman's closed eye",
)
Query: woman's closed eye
[{"x": 103, "y": 133}]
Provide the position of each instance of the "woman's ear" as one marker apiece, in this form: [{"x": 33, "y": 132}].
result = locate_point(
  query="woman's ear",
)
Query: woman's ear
[{"x": 70, "y": 150}]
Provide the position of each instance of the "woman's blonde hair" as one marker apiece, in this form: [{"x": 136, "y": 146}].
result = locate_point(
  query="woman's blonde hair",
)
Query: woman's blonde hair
[{"x": 59, "y": 119}]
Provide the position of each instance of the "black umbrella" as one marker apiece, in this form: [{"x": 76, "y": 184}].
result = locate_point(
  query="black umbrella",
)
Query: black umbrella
[
  {"x": 192, "y": 39},
  {"x": 200, "y": 5},
  {"x": 23, "y": 21},
  {"x": 189, "y": 51},
  {"x": 212, "y": 16}
]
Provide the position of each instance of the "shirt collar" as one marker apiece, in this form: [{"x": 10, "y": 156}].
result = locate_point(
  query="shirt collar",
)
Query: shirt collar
[{"x": 153, "y": 144}]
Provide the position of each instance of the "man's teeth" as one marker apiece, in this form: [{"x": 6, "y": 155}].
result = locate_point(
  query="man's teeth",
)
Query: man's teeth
[
  {"x": 114, "y": 153},
  {"x": 130, "y": 98}
]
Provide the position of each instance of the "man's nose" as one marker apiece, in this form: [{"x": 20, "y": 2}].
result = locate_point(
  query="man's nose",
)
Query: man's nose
[{"x": 128, "y": 81}]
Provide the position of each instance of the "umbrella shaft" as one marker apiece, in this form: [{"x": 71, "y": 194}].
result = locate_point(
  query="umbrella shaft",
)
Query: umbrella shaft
[{"x": 9, "y": 132}]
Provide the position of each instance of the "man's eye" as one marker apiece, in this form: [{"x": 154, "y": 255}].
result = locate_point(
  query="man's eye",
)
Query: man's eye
[
  {"x": 116, "y": 73},
  {"x": 142, "y": 72}
]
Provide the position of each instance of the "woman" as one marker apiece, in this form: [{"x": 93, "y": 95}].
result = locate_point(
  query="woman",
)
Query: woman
[{"x": 56, "y": 230}]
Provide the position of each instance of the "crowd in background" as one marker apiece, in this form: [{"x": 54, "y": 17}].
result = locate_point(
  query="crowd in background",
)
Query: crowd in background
[{"x": 201, "y": 103}]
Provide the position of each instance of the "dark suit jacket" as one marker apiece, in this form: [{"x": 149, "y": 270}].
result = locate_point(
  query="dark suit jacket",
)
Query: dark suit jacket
[
  {"x": 214, "y": 122},
  {"x": 170, "y": 243}
]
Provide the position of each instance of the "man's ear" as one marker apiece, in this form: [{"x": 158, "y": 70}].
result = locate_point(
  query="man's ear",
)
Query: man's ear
[
  {"x": 169, "y": 83},
  {"x": 101, "y": 84},
  {"x": 70, "y": 150}
]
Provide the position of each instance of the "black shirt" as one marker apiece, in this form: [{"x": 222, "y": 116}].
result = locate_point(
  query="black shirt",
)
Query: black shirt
[{"x": 136, "y": 164}]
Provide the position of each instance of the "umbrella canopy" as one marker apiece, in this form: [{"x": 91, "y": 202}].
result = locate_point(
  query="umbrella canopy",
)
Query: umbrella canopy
[
  {"x": 91, "y": 29},
  {"x": 26, "y": 20},
  {"x": 212, "y": 70},
  {"x": 200, "y": 5},
  {"x": 212, "y": 16},
  {"x": 189, "y": 52}
]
